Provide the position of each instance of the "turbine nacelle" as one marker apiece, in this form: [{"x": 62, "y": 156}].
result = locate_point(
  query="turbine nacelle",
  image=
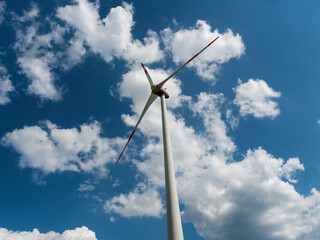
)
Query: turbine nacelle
[{"x": 159, "y": 91}]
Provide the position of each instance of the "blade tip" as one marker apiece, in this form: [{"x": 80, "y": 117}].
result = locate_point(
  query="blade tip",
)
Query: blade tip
[
  {"x": 118, "y": 159},
  {"x": 145, "y": 70}
]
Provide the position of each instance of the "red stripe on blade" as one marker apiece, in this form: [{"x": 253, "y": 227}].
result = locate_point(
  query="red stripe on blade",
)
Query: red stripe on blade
[
  {"x": 131, "y": 135},
  {"x": 213, "y": 40},
  {"x": 119, "y": 158},
  {"x": 125, "y": 146},
  {"x": 145, "y": 70},
  {"x": 193, "y": 57}
]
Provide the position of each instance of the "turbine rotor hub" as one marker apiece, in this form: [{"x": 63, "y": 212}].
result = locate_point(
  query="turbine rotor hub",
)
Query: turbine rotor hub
[{"x": 159, "y": 91}]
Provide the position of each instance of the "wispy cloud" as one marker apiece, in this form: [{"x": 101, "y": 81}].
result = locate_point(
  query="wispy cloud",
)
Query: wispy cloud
[
  {"x": 5, "y": 86},
  {"x": 2, "y": 10},
  {"x": 36, "y": 53},
  {"x": 86, "y": 186}
]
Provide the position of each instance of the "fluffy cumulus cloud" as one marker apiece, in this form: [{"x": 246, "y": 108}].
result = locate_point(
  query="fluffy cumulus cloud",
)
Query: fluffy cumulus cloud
[
  {"x": 249, "y": 199},
  {"x": 256, "y": 97},
  {"x": 5, "y": 86},
  {"x": 147, "y": 52},
  {"x": 111, "y": 36},
  {"x": 143, "y": 201},
  {"x": 82, "y": 233},
  {"x": 107, "y": 37},
  {"x": 185, "y": 43},
  {"x": 2, "y": 10},
  {"x": 49, "y": 148}
]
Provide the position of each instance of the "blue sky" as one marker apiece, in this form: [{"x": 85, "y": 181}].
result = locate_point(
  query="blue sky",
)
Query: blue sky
[{"x": 244, "y": 122}]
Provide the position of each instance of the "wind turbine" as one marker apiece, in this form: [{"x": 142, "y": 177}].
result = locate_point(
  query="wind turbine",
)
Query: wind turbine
[{"x": 174, "y": 227}]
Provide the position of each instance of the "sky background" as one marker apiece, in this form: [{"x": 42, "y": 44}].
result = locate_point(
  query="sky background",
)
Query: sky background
[{"x": 244, "y": 119}]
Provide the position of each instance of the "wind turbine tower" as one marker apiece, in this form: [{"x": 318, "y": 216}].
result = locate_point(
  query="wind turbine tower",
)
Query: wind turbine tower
[{"x": 174, "y": 227}]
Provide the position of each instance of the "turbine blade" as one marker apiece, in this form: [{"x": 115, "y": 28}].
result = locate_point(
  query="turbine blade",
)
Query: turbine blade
[
  {"x": 148, "y": 104},
  {"x": 148, "y": 76},
  {"x": 164, "y": 81}
]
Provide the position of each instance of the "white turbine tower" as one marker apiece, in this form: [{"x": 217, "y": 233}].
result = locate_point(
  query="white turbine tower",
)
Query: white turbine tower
[{"x": 174, "y": 228}]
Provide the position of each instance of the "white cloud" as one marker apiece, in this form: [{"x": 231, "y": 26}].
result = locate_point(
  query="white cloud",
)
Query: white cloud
[
  {"x": 254, "y": 97},
  {"x": 247, "y": 199},
  {"x": 51, "y": 149},
  {"x": 36, "y": 55},
  {"x": 29, "y": 15},
  {"x": 2, "y": 10},
  {"x": 86, "y": 186},
  {"x": 75, "y": 52},
  {"x": 42, "y": 83},
  {"x": 148, "y": 52},
  {"x": 231, "y": 119},
  {"x": 315, "y": 234},
  {"x": 65, "y": 45},
  {"x": 82, "y": 233},
  {"x": 291, "y": 166},
  {"x": 184, "y": 43},
  {"x": 109, "y": 36},
  {"x": 208, "y": 107},
  {"x": 5, "y": 86},
  {"x": 143, "y": 201}
]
